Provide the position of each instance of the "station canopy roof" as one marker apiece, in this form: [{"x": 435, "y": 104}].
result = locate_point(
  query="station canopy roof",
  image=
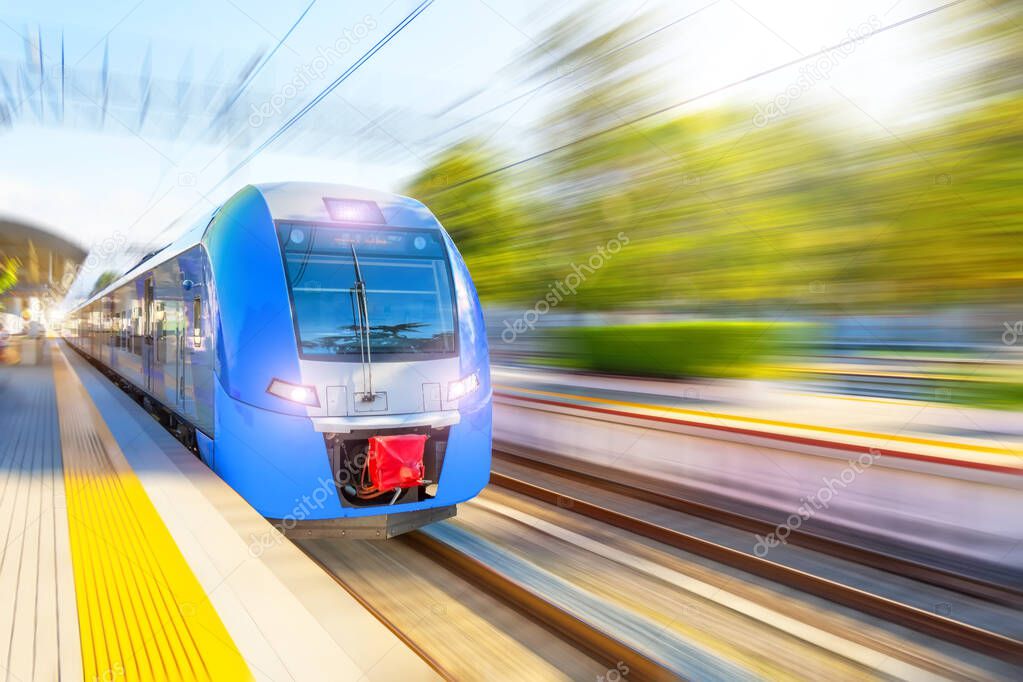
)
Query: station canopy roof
[{"x": 43, "y": 256}]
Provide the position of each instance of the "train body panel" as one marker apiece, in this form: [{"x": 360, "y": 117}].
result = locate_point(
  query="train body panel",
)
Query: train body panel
[
  {"x": 156, "y": 335},
  {"x": 357, "y": 302}
]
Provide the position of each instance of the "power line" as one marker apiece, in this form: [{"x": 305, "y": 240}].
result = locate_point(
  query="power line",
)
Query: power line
[
  {"x": 543, "y": 85},
  {"x": 327, "y": 90},
  {"x": 255, "y": 72},
  {"x": 308, "y": 107},
  {"x": 676, "y": 105},
  {"x": 251, "y": 76}
]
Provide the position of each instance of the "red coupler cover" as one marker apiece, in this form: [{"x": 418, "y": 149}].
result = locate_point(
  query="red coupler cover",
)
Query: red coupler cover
[{"x": 396, "y": 461}]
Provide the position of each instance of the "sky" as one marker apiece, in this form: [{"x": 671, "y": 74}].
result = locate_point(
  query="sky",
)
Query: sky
[{"x": 458, "y": 58}]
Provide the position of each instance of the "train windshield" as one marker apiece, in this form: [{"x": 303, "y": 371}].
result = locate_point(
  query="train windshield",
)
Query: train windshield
[{"x": 408, "y": 291}]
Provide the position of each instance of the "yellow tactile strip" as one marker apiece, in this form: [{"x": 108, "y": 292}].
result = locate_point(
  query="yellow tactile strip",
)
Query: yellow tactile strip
[{"x": 141, "y": 611}]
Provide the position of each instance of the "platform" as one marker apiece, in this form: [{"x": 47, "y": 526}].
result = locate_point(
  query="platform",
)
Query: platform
[
  {"x": 958, "y": 437},
  {"x": 902, "y": 478},
  {"x": 124, "y": 557}
]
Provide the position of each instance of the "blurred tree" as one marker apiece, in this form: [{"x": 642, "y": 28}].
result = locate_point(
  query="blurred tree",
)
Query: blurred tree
[
  {"x": 103, "y": 281},
  {"x": 992, "y": 31},
  {"x": 472, "y": 213},
  {"x": 8, "y": 274},
  {"x": 724, "y": 215}
]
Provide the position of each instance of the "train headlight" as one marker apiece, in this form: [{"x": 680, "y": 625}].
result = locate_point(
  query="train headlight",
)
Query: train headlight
[
  {"x": 463, "y": 387},
  {"x": 304, "y": 395}
]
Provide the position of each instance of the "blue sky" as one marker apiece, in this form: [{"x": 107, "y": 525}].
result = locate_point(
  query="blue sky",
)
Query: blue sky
[
  {"x": 83, "y": 182},
  {"x": 87, "y": 183}
]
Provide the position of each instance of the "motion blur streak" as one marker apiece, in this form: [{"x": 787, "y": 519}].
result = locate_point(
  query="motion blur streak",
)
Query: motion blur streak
[
  {"x": 718, "y": 353},
  {"x": 811, "y": 243}
]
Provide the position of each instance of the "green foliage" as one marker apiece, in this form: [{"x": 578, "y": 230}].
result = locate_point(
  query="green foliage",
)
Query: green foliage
[
  {"x": 1004, "y": 395},
  {"x": 680, "y": 349},
  {"x": 8, "y": 274},
  {"x": 103, "y": 281},
  {"x": 797, "y": 215},
  {"x": 786, "y": 216},
  {"x": 469, "y": 213},
  {"x": 999, "y": 394}
]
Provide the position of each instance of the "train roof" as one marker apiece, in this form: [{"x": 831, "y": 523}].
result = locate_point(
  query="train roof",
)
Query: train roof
[
  {"x": 304, "y": 201},
  {"x": 299, "y": 201}
]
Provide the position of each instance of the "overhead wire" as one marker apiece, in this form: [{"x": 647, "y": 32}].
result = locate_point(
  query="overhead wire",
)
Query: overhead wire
[
  {"x": 355, "y": 66},
  {"x": 287, "y": 125},
  {"x": 551, "y": 81},
  {"x": 255, "y": 72},
  {"x": 690, "y": 100}
]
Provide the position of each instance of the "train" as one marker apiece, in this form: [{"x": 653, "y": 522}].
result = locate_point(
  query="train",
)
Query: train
[{"x": 320, "y": 347}]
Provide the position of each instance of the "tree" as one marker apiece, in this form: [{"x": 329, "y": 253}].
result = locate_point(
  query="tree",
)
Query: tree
[
  {"x": 103, "y": 281},
  {"x": 724, "y": 215},
  {"x": 470, "y": 213},
  {"x": 8, "y": 274}
]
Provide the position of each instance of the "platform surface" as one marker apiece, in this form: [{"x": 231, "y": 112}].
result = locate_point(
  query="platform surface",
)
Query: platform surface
[
  {"x": 954, "y": 435},
  {"x": 38, "y": 617},
  {"x": 124, "y": 557}
]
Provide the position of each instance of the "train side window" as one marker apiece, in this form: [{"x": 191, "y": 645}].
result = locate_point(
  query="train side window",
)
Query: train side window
[
  {"x": 159, "y": 332},
  {"x": 137, "y": 330},
  {"x": 196, "y": 322}
]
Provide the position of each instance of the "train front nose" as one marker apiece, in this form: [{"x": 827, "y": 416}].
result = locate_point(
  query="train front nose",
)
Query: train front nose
[
  {"x": 374, "y": 310},
  {"x": 381, "y": 323},
  {"x": 398, "y": 418},
  {"x": 348, "y": 391}
]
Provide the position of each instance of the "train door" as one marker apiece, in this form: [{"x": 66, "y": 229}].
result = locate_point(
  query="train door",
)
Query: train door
[
  {"x": 148, "y": 330},
  {"x": 191, "y": 346},
  {"x": 170, "y": 349}
]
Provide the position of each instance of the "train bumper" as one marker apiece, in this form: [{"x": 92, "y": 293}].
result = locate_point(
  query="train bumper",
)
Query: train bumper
[
  {"x": 379, "y": 527},
  {"x": 279, "y": 463}
]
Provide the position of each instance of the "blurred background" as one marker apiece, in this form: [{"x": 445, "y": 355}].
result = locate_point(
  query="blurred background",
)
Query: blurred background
[{"x": 783, "y": 193}]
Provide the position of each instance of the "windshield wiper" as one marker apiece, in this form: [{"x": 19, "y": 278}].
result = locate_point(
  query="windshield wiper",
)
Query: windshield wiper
[{"x": 362, "y": 320}]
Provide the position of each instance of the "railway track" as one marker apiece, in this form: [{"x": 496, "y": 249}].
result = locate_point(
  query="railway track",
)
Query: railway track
[
  {"x": 597, "y": 643},
  {"x": 601, "y": 645},
  {"x": 994, "y": 592},
  {"x": 950, "y": 630},
  {"x": 378, "y": 614}
]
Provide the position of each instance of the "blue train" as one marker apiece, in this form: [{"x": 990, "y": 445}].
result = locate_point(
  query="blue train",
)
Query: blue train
[{"x": 320, "y": 347}]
